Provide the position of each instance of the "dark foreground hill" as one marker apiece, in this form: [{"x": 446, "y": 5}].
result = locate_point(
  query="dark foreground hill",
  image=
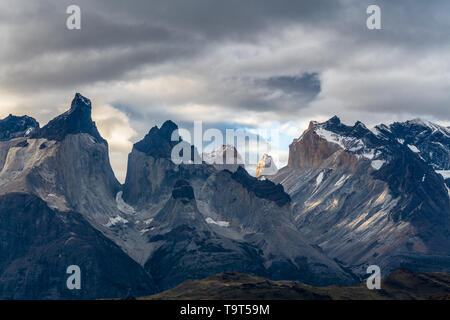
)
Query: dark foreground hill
[{"x": 399, "y": 285}]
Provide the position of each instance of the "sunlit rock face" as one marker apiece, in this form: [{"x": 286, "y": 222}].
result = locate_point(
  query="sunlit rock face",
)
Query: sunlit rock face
[{"x": 266, "y": 166}]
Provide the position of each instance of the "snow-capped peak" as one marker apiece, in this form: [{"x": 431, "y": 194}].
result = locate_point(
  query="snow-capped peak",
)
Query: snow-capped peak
[
  {"x": 225, "y": 154},
  {"x": 356, "y": 139}
]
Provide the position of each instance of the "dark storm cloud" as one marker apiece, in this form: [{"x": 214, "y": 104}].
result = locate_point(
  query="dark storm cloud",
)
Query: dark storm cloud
[
  {"x": 228, "y": 63},
  {"x": 225, "y": 19},
  {"x": 119, "y": 37},
  {"x": 306, "y": 85}
]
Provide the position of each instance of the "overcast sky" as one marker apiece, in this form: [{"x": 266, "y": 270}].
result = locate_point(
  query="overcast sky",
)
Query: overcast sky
[{"x": 236, "y": 63}]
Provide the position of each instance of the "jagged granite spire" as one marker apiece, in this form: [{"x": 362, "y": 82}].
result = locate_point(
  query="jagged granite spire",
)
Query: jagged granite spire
[
  {"x": 78, "y": 119},
  {"x": 334, "y": 120},
  {"x": 266, "y": 166},
  {"x": 158, "y": 143}
]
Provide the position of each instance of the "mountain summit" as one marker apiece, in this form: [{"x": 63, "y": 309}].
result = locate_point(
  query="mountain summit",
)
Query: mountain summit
[
  {"x": 266, "y": 166},
  {"x": 14, "y": 127},
  {"x": 77, "y": 119},
  {"x": 226, "y": 157},
  {"x": 158, "y": 141}
]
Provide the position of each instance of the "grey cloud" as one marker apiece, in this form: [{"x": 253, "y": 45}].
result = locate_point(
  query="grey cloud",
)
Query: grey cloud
[
  {"x": 305, "y": 86},
  {"x": 122, "y": 41},
  {"x": 155, "y": 31}
]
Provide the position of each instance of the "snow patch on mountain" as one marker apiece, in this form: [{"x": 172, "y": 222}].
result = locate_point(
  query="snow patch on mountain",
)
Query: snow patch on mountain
[
  {"x": 146, "y": 230},
  {"x": 224, "y": 224},
  {"x": 377, "y": 164},
  {"x": 434, "y": 127},
  {"x": 116, "y": 220},
  {"x": 319, "y": 179},
  {"x": 346, "y": 143},
  {"x": 342, "y": 180},
  {"x": 28, "y": 131},
  {"x": 444, "y": 173},
  {"x": 148, "y": 221},
  {"x": 413, "y": 148}
]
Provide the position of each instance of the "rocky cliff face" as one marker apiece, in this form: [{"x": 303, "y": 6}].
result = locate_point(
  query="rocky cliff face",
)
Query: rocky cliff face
[
  {"x": 230, "y": 221},
  {"x": 429, "y": 140},
  {"x": 39, "y": 243},
  {"x": 186, "y": 247},
  {"x": 151, "y": 174},
  {"x": 263, "y": 219},
  {"x": 66, "y": 164},
  {"x": 364, "y": 198}
]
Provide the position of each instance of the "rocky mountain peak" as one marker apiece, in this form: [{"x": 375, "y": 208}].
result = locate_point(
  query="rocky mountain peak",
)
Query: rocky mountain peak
[
  {"x": 334, "y": 120},
  {"x": 158, "y": 142},
  {"x": 78, "y": 119},
  {"x": 225, "y": 154},
  {"x": 167, "y": 129},
  {"x": 266, "y": 166},
  {"x": 322, "y": 140},
  {"x": 14, "y": 127},
  {"x": 79, "y": 101},
  {"x": 431, "y": 141},
  {"x": 226, "y": 157},
  {"x": 335, "y": 126},
  {"x": 312, "y": 125}
]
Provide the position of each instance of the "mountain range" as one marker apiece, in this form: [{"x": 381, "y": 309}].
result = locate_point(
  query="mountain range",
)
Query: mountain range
[{"x": 348, "y": 198}]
